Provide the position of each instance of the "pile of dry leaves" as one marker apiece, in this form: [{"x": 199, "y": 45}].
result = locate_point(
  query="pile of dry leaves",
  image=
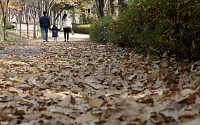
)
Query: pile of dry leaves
[{"x": 90, "y": 83}]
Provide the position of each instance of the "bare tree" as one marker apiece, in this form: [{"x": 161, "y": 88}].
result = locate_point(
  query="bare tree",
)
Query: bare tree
[
  {"x": 33, "y": 6},
  {"x": 4, "y": 9},
  {"x": 0, "y": 28}
]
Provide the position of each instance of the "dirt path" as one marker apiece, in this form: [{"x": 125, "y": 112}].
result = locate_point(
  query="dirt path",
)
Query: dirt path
[
  {"x": 83, "y": 82},
  {"x": 75, "y": 37}
]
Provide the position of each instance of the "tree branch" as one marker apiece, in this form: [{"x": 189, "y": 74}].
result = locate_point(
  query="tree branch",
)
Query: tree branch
[{"x": 59, "y": 14}]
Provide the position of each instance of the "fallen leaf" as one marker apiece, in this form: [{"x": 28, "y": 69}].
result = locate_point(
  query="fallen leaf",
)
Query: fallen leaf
[
  {"x": 187, "y": 92},
  {"x": 193, "y": 122},
  {"x": 4, "y": 116},
  {"x": 31, "y": 117},
  {"x": 83, "y": 118},
  {"x": 68, "y": 100},
  {"x": 113, "y": 122},
  {"x": 170, "y": 112},
  {"x": 96, "y": 103}
]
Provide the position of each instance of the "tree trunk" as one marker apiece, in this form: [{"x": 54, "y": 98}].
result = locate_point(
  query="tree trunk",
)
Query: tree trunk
[
  {"x": 57, "y": 21},
  {"x": 39, "y": 15},
  {"x": 112, "y": 7},
  {"x": 4, "y": 26},
  {"x": 34, "y": 21},
  {"x": 38, "y": 29},
  {"x": 115, "y": 8},
  {"x": 20, "y": 29},
  {"x": 20, "y": 24},
  {"x": 121, "y": 3},
  {"x": 101, "y": 6},
  {"x": 54, "y": 17},
  {"x": 34, "y": 29},
  {"x": 27, "y": 22},
  {"x": 74, "y": 16},
  {"x": 0, "y": 29},
  {"x": 27, "y": 32},
  {"x": 83, "y": 16},
  {"x": 16, "y": 21},
  {"x": 94, "y": 14},
  {"x": 9, "y": 15},
  {"x": 107, "y": 7}
]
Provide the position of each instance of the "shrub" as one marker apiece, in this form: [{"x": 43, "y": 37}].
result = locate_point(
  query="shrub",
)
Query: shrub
[
  {"x": 9, "y": 26},
  {"x": 81, "y": 28},
  {"x": 100, "y": 29},
  {"x": 165, "y": 25}
]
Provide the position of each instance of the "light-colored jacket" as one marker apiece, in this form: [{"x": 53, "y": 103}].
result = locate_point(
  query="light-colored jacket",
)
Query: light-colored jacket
[{"x": 66, "y": 23}]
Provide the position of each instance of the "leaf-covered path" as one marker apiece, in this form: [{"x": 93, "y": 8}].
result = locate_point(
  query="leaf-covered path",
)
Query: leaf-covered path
[{"x": 89, "y": 83}]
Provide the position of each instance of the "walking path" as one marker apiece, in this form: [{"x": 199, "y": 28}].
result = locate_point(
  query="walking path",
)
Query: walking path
[
  {"x": 36, "y": 46},
  {"x": 75, "y": 37}
]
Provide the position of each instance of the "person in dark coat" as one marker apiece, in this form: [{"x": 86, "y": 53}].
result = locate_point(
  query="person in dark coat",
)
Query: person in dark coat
[
  {"x": 45, "y": 24},
  {"x": 54, "y": 32}
]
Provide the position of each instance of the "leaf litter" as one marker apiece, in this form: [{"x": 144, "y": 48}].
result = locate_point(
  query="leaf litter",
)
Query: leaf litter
[{"x": 91, "y": 83}]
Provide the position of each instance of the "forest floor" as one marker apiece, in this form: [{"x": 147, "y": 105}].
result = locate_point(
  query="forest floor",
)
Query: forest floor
[{"x": 84, "y": 82}]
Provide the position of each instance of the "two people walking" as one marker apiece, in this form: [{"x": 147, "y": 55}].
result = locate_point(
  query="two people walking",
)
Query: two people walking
[{"x": 45, "y": 25}]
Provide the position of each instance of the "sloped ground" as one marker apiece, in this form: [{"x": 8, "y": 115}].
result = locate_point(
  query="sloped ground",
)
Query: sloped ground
[{"x": 88, "y": 83}]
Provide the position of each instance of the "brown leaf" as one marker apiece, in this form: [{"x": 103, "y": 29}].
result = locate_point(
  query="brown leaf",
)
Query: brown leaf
[
  {"x": 193, "y": 122},
  {"x": 176, "y": 105},
  {"x": 68, "y": 100},
  {"x": 32, "y": 117},
  {"x": 4, "y": 116},
  {"x": 39, "y": 93},
  {"x": 187, "y": 92},
  {"x": 152, "y": 76},
  {"x": 113, "y": 122},
  {"x": 170, "y": 112},
  {"x": 96, "y": 103},
  {"x": 85, "y": 118}
]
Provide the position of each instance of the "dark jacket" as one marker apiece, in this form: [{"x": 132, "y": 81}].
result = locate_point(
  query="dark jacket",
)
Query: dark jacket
[
  {"x": 45, "y": 22},
  {"x": 54, "y": 31}
]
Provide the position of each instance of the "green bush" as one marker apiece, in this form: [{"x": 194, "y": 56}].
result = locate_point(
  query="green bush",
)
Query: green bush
[
  {"x": 164, "y": 25},
  {"x": 9, "y": 26},
  {"x": 100, "y": 29},
  {"x": 81, "y": 28}
]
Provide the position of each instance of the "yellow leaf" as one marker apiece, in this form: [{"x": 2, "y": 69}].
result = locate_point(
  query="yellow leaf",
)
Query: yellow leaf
[{"x": 193, "y": 44}]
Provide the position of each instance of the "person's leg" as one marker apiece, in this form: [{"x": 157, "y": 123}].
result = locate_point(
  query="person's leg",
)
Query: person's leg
[
  {"x": 46, "y": 31},
  {"x": 68, "y": 29},
  {"x": 65, "y": 31},
  {"x": 54, "y": 39},
  {"x": 43, "y": 34}
]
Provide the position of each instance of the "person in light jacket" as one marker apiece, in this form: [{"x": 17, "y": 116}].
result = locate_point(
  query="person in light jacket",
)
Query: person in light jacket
[{"x": 67, "y": 26}]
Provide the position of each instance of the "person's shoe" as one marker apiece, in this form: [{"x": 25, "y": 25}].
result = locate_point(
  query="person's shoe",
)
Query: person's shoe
[
  {"x": 65, "y": 40},
  {"x": 44, "y": 41}
]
